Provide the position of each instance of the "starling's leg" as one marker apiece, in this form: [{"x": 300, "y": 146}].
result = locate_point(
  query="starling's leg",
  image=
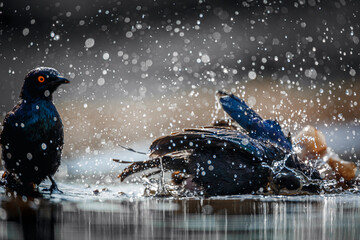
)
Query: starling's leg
[{"x": 54, "y": 187}]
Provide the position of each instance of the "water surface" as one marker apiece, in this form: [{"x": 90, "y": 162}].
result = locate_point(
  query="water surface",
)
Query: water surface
[{"x": 80, "y": 214}]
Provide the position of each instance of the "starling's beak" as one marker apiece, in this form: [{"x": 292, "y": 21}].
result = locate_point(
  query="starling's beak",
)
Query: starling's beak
[
  {"x": 61, "y": 80},
  {"x": 57, "y": 82}
]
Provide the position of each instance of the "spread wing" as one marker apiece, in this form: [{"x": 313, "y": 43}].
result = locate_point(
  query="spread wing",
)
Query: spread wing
[
  {"x": 224, "y": 138},
  {"x": 174, "y": 150},
  {"x": 7, "y": 135}
]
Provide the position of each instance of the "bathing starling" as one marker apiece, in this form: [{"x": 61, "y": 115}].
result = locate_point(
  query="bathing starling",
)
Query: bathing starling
[
  {"x": 32, "y": 138},
  {"x": 223, "y": 160}
]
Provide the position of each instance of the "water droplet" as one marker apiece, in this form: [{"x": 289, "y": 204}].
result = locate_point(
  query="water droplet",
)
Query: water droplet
[
  {"x": 129, "y": 34},
  {"x": 101, "y": 81},
  {"x": 352, "y": 72},
  {"x": 25, "y": 31},
  {"x": 252, "y": 75},
  {"x": 251, "y": 101},
  {"x": 205, "y": 58},
  {"x": 311, "y": 73},
  {"x": 227, "y": 28},
  {"x": 106, "y": 56},
  {"x": 43, "y": 146},
  {"x": 89, "y": 43},
  {"x": 29, "y": 156},
  {"x": 245, "y": 141}
]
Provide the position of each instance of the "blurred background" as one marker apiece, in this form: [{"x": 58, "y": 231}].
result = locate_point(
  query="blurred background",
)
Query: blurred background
[{"x": 142, "y": 69}]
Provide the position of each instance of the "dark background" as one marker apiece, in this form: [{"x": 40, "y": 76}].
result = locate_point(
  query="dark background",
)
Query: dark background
[{"x": 323, "y": 35}]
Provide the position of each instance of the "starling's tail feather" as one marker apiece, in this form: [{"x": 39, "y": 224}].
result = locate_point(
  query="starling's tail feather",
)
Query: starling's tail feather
[
  {"x": 138, "y": 167},
  {"x": 173, "y": 162},
  {"x": 124, "y": 161},
  {"x": 132, "y": 150},
  {"x": 248, "y": 119},
  {"x": 239, "y": 111}
]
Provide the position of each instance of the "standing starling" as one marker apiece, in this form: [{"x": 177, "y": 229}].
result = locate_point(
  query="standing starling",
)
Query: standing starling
[{"x": 32, "y": 138}]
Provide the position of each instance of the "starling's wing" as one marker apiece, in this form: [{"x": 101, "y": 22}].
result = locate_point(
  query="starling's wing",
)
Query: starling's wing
[
  {"x": 8, "y": 133},
  {"x": 174, "y": 150},
  {"x": 222, "y": 138},
  {"x": 12, "y": 140},
  {"x": 247, "y": 118}
]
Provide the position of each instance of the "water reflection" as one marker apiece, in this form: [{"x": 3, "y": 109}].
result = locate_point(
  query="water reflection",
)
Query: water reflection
[{"x": 259, "y": 217}]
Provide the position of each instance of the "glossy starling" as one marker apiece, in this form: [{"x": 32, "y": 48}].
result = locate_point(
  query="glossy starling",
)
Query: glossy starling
[
  {"x": 223, "y": 160},
  {"x": 32, "y": 138}
]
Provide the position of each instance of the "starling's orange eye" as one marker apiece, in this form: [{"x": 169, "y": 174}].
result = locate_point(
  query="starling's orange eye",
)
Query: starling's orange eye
[{"x": 41, "y": 79}]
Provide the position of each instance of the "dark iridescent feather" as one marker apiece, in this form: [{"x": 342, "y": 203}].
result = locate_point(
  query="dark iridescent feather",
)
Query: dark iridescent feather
[
  {"x": 32, "y": 138},
  {"x": 248, "y": 119},
  {"x": 211, "y": 137}
]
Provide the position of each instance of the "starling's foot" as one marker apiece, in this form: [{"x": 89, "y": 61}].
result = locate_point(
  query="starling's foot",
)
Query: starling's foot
[
  {"x": 53, "y": 188},
  {"x": 3, "y": 179}
]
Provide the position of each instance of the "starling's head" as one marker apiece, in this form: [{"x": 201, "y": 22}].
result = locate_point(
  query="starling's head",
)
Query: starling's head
[{"x": 41, "y": 83}]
